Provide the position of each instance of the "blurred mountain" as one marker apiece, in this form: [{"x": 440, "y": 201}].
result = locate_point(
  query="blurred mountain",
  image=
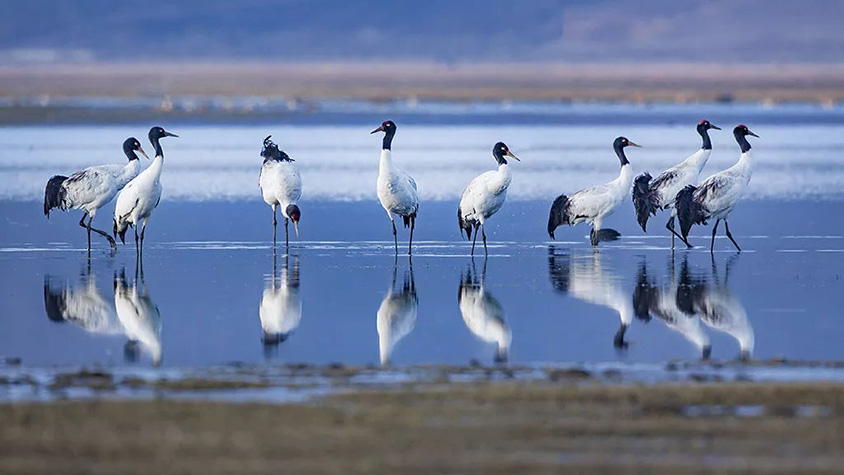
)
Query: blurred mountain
[{"x": 47, "y": 31}]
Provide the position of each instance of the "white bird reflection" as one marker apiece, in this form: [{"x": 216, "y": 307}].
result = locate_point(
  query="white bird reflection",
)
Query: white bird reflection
[
  {"x": 81, "y": 304},
  {"x": 139, "y": 316},
  {"x": 482, "y": 312},
  {"x": 586, "y": 278},
  {"x": 281, "y": 304},
  {"x": 721, "y": 310},
  {"x": 397, "y": 313},
  {"x": 670, "y": 305}
]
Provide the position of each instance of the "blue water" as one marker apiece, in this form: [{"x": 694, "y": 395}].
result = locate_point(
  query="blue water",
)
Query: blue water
[{"x": 207, "y": 267}]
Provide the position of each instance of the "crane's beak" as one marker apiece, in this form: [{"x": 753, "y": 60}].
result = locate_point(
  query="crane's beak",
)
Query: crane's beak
[
  {"x": 751, "y": 133},
  {"x": 296, "y": 227},
  {"x": 630, "y": 143},
  {"x": 379, "y": 129},
  {"x": 510, "y": 154},
  {"x": 169, "y": 134},
  {"x": 141, "y": 149},
  {"x": 713, "y": 126}
]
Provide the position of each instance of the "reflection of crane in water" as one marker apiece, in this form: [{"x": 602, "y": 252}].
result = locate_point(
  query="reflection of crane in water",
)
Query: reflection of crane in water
[
  {"x": 586, "y": 279},
  {"x": 482, "y": 312},
  {"x": 83, "y": 305},
  {"x": 281, "y": 305},
  {"x": 139, "y": 316},
  {"x": 397, "y": 313},
  {"x": 670, "y": 305},
  {"x": 722, "y": 311}
]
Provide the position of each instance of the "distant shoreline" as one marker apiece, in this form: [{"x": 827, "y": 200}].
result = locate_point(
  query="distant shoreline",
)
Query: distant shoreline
[{"x": 383, "y": 82}]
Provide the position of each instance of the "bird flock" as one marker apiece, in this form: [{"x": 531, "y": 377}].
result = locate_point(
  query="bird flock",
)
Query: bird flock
[{"x": 676, "y": 189}]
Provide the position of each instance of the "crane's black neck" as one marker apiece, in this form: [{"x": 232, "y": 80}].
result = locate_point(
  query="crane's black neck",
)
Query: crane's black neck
[
  {"x": 499, "y": 157},
  {"x": 619, "y": 150},
  {"x": 741, "y": 138},
  {"x": 388, "y": 139},
  {"x": 130, "y": 152},
  {"x": 154, "y": 139},
  {"x": 703, "y": 130}
]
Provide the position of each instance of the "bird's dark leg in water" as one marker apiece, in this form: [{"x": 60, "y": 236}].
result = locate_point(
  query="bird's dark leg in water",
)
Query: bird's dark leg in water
[
  {"x": 593, "y": 237},
  {"x": 286, "y": 235},
  {"x": 410, "y": 243},
  {"x": 618, "y": 341},
  {"x": 88, "y": 227},
  {"x": 395, "y": 238},
  {"x": 275, "y": 223},
  {"x": 100, "y": 232},
  {"x": 137, "y": 247},
  {"x": 727, "y": 227},
  {"x": 483, "y": 235},
  {"x": 714, "y": 228},
  {"x": 670, "y": 226}
]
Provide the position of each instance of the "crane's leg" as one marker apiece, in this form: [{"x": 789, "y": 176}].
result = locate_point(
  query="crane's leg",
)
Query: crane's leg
[
  {"x": 286, "y": 234},
  {"x": 274, "y": 226},
  {"x": 483, "y": 235},
  {"x": 395, "y": 239},
  {"x": 143, "y": 230},
  {"x": 727, "y": 227},
  {"x": 670, "y": 226},
  {"x": 714, "y": 228},
  {"x": 137, "y": 248},
  {"x": 593, "y": 237},
  {"x": 474, "y": 239},
  {"x": 410, "y": 241},
  {"x": 100, "y": 232}
]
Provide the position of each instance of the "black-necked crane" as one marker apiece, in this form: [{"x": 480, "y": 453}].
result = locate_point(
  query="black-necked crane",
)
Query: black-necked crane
[
  {"x": 485, "y": 195},
  {"x": 141, "y": 195},
  {"x": 281, "y": 186},
  {"x": 594, "y": 204},
  {"x": 650, "y": 196},
  {"x": 92, "y": 188},
  {"x": 396, "y": 189},
  {"x": 716, "y": 196}
]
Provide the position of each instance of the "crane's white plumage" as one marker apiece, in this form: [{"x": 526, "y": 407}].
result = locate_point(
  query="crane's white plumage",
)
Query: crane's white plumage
[
  {"x": 716, "y": 196},
  {"x": 281, "y": 185},
  {"x": 141, "y": 195},
  {"x": 397, "y": 315},
  {"x": 649, "y": 196},
  {"x": 588, "y": 280},
  {"x": 92, "y": 188},
  {"x": 485, "y": 195},
  {"x": 483, "y": 315},
  {"x": 594, "y": 204},
  {"x": 139, "y": 316},
  {"x": 397, "y": 190},
  {"x": 281, "y": 305},
  {"x": 83, "y": 306}
]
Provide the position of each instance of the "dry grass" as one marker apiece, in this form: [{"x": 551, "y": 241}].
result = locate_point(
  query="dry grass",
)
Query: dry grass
[{"x": 497, "y": 428}]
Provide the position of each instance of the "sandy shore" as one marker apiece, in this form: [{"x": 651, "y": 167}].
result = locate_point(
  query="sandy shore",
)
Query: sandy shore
[
  {"x": 503, "y": 427},
  {"x": 631, "y": 82}
]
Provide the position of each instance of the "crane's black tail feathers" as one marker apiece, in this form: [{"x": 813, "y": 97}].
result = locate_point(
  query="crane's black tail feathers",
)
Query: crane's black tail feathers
[
  {"x": 54, "y": 194},
  {"x": 407, "y": 219},
  {"x": 689, "y": 211},
  {"x": 464, "y": 225},
  {"x": 607, "y": 234},
  {"x": 645, "y": 200},
  {"x": 559, "y": 214}
]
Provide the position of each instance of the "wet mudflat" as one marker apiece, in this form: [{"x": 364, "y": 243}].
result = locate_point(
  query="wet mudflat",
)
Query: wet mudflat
[{"x": 498, "y": 428}]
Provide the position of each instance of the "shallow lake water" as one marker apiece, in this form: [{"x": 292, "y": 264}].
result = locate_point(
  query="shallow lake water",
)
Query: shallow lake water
[
  {"x": 205, "y": 302},
  {"x": 212, "y": 290}
]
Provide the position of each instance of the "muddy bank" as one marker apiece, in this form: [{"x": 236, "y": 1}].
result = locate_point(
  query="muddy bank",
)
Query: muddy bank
[{"x": 491, "y": 427}]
